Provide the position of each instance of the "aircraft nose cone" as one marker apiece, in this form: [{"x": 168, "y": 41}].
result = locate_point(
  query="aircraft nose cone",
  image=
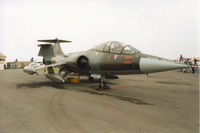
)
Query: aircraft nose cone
[
  {"x": 149, "y": 65},
  {"x": 29, "y": 70}
]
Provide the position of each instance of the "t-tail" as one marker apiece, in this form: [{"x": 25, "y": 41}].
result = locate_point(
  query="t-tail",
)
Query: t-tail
[
  {"x": 51, "y": 52},
  {"x": 53, "y": 56}
]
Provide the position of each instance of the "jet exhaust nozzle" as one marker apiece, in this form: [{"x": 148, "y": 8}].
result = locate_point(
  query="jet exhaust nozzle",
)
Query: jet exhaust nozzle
[{"x": 149, "y": 65}]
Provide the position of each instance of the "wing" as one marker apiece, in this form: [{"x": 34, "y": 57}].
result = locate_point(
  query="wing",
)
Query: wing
[
  {"x": 51, "y": 65},
  {"x": 33, "y": 69}
]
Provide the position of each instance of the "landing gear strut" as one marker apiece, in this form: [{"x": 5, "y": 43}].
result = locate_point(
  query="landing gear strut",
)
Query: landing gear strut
[
  {"x": 64, "y": 72},
  {"x": 102, "y": 85},
  {"x": 91, "y": 78}
]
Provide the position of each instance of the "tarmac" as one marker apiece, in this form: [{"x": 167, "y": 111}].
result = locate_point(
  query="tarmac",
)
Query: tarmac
[{"x": 166, "y": 102}]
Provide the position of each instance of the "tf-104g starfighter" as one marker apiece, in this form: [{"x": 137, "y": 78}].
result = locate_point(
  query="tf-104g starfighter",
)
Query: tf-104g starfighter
[{"x": 104, "y": 61}]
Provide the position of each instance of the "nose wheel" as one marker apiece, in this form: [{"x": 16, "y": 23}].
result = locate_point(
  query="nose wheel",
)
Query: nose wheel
[{"x": 102, "y": 85}]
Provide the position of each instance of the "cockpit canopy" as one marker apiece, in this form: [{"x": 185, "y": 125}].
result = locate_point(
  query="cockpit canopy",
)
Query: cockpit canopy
[{"x": 116, "y": 47}]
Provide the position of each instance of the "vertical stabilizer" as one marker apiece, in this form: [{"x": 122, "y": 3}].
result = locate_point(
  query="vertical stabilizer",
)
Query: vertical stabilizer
[
  {"x": 51, "y": 50},
  {"x": 57, "y": 51}
]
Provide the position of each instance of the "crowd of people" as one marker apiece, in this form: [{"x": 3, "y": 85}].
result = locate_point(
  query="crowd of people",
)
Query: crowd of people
[{"x": 193, "y": 64}]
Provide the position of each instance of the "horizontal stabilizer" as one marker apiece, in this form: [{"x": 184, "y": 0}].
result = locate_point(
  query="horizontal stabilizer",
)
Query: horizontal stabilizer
[
  {"x": 39, "y": 45},
  {"x": 55, "y": 41}
]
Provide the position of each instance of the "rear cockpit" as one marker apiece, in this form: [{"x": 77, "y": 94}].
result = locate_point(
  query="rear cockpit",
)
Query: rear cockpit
[{"x": 116, "y": 47}]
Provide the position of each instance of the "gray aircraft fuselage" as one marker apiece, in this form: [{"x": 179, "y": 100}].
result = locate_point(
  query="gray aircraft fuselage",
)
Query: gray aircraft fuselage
[
  {"x": 107, "y": 62},
  {"x": 110, "y": 58}
]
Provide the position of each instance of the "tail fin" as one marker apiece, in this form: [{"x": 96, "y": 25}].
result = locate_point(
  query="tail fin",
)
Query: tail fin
[
  {"x": 50, "y": 50},
  {"x": 56, "y": 47},
  {"x": 57, "y": 50}
]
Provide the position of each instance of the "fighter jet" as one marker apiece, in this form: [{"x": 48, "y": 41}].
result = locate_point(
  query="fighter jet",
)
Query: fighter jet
[{"x": 104, "y": 61}]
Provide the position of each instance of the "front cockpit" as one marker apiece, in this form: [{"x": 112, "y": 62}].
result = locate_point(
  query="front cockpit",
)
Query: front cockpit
[{"x": 116, "y": 47}]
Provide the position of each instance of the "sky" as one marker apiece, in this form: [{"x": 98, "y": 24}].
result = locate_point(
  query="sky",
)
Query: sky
[{"x": 165, "y": 28}]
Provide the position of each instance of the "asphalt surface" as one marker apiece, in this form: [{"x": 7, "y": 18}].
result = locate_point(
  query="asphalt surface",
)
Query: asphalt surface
[{"x": 165, "y": 102}]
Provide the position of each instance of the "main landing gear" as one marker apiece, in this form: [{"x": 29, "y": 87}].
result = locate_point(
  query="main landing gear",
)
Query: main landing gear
[{"x": 102, "y": 85}]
